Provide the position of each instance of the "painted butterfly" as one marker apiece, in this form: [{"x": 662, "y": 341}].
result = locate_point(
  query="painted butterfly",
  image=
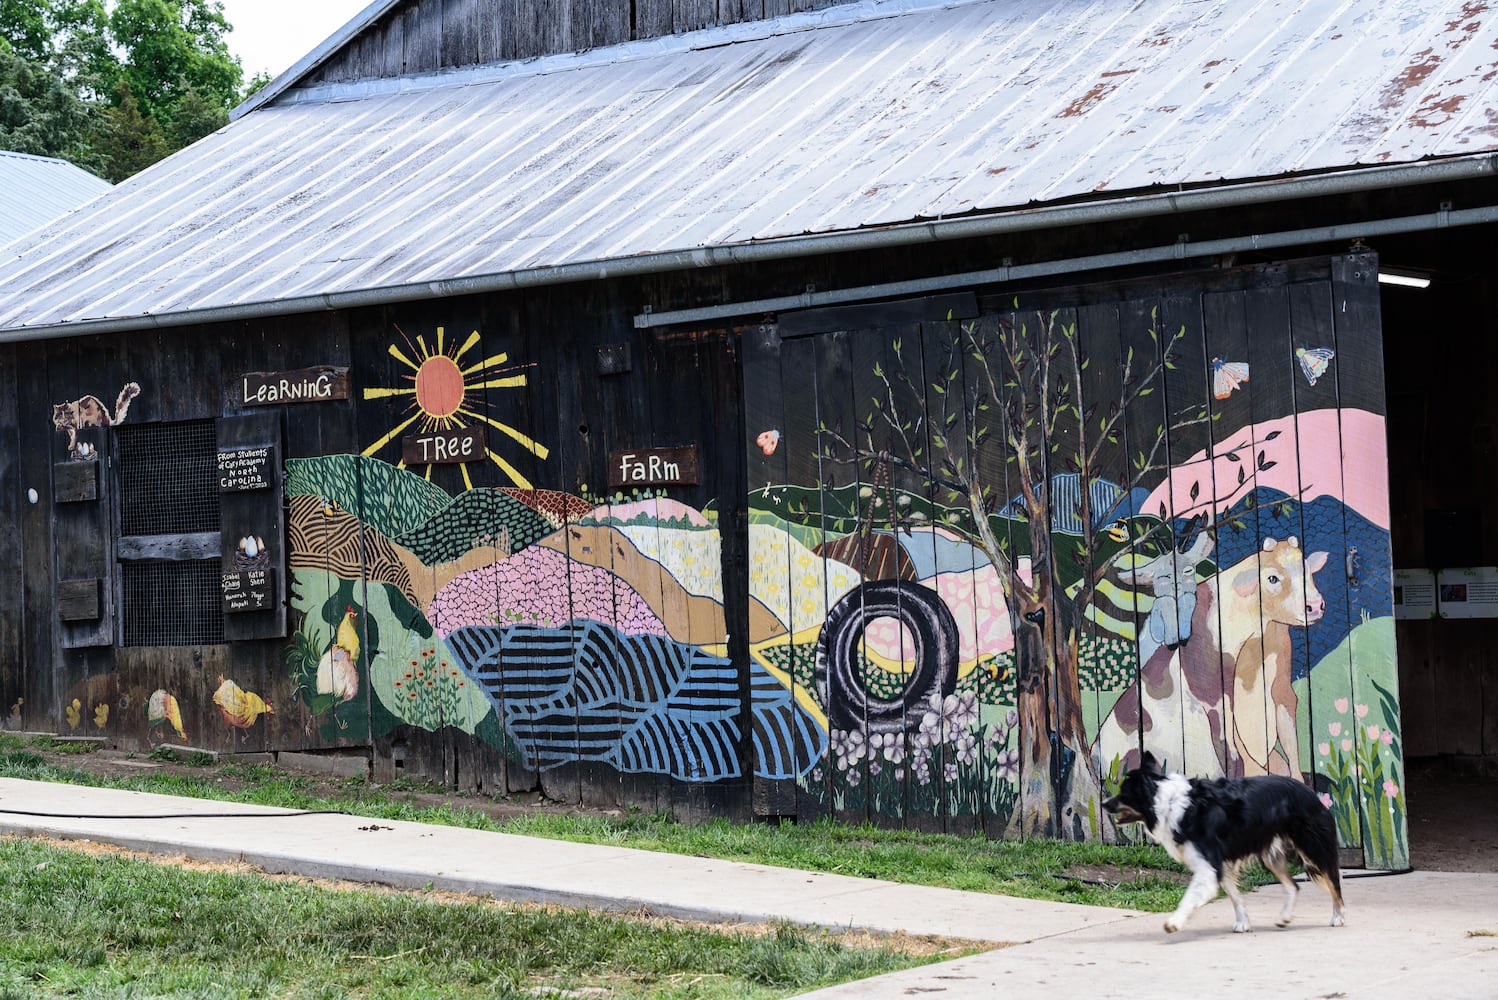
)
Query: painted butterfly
[
  {"x": 767, "y": 441},
  {"x": 1314, "y": 361},
  {"x": 1227, "y": 376}
]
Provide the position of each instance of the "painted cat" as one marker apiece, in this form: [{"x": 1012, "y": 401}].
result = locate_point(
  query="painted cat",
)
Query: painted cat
[{"x": 89, "y": 411}]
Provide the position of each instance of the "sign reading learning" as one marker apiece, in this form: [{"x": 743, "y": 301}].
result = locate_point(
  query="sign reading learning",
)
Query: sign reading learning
[{"x": 307, "y": 385}]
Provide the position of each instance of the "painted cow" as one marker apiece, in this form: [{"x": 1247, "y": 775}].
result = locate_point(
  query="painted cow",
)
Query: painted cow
[{"x": 1224, "y": 693}]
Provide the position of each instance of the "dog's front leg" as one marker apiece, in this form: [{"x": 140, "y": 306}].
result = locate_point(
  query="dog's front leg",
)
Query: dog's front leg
[
  {"x": 1205, "y": 878},
  {"x": 1240, "y": 912}
]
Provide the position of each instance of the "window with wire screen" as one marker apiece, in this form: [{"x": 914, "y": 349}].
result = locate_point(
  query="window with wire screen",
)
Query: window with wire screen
[{"x": 168, "y": 486}]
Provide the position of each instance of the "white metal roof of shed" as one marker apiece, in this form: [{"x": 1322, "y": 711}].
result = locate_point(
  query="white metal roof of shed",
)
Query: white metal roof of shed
[
  {"x": 35, "y": 190},
  {"x": 874, "y": 114}
]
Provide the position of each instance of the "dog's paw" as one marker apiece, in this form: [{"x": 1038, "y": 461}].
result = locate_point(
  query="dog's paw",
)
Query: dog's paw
[
  {"x": 1282, "y": 922},
  {"x": 1241, "y": 927},
  {"x": 1171, "y": 926},
  {"x": 1337, "y": 920}
]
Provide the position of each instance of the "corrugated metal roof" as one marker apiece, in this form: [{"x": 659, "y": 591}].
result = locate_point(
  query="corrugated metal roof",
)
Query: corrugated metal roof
[
  {"x": 35, "y": 190},
  {"x": 867, "y": 115}
]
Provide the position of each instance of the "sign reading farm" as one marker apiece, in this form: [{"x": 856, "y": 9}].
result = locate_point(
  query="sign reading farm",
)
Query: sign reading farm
[
  {"x": 307, "y": 385},
  {"x": 654, "y": 467}
]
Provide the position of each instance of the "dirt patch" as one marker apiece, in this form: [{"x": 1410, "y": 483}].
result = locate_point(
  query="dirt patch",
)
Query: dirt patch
[{"x": 1125, "y": 875}]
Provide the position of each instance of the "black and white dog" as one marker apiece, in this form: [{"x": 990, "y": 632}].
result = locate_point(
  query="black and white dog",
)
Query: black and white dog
[{"x": 1215, "y": 827}]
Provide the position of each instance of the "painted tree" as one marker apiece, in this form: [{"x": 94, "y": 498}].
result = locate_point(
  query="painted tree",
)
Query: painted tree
[{"x": 989, "y": 413}]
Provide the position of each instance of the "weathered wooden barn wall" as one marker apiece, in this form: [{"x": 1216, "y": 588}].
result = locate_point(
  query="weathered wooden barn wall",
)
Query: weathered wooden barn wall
[
  {"x": 13, "y": 504},
  {"x": 422, "y": 36}
]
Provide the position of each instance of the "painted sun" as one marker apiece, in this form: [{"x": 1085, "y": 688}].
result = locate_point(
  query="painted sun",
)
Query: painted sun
[{"x": 447, "y": 393}]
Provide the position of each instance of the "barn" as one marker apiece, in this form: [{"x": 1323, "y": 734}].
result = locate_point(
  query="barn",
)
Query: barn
[{"x": 891, "y": 410}]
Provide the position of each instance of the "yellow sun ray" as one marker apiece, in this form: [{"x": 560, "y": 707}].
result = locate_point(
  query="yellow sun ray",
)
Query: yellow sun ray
[
  {"x": 498, "y": 359},
  {"x": 421, "y": 344},
  {"x": 395, "y": 352},
  {"x": 394, "y": 432},
  {"x": 530, "y": 444},
  {"x": 467, "y": 479},
  {"x": 510, "y": 382},
  {"x": 440, "y": 334},
  {"x": 473, "y": 338},
  {"x": 511, "y": 471},
  {"x": 379, "y": 393}
]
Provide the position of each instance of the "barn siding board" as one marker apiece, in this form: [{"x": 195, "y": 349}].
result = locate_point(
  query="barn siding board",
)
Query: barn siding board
[{"x": 13, "y": 505}]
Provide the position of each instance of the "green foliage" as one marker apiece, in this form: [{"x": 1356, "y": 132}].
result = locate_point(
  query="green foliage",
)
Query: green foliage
[
  {"x": 114, "y": 90},
  {"x": 39, "y": 114},
  {"x": 79, "y": 924}
]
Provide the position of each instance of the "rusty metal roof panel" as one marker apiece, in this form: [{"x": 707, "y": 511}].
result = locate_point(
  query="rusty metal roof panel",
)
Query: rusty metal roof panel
[{"x": 864, "y": 115}]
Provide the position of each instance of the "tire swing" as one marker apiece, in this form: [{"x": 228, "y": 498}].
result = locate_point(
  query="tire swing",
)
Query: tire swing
[{"x": 839, "y": 675}]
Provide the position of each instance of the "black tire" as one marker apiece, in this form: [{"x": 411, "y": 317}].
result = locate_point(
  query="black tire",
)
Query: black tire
[{"x": 839, "y": 677}]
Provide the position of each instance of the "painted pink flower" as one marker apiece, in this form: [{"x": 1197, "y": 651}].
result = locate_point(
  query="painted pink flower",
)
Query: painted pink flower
[
  {"x": 1373, "y": 732},
  {"x": 1335, "y": 729},
  {"x": 1324, "y": 749},
  {"x": 1341, "y": 704},
  {"x": 1391, "y": 789},
  {"x": 1326, "y": 799},
  {"x": 1388, "y": 737},
  {"x": 1347, "y": 746},
  {"x": 1362, "y": 710}
]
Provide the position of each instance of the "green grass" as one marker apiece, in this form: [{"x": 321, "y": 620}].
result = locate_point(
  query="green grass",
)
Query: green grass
[
  {"x": 87, "y": 925},
  {"x": 1136, "y": 877}
]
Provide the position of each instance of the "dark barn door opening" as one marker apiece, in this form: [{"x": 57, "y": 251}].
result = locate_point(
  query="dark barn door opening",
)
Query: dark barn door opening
[{"x": 1442, "y": 364}]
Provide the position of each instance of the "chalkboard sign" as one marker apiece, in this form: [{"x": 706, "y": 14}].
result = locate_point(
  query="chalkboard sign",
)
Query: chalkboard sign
[
  {"x": 252, "y": 590},
  {"x": 244, "y": 469}
]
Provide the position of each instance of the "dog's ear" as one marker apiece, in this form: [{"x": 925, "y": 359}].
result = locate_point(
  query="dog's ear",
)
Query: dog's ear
[{"x": 1149, "y": 765}]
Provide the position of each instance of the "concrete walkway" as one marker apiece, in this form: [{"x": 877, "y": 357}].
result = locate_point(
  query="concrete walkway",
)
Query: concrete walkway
[{"x": 1417, "y": 935}]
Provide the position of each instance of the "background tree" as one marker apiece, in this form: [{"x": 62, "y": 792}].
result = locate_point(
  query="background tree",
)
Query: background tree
[
  {"x": 152, "y": 77},
  {"x": 39, "y": 114}
]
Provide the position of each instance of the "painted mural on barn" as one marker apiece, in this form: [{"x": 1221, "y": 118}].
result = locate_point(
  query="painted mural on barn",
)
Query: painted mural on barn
[
  {"x": 1000, "y": 557},
  {"x": 556, "y": 628}
]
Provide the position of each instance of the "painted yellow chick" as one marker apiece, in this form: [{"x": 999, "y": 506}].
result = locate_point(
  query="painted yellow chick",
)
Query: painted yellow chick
[{"x": 240, "y": 708}]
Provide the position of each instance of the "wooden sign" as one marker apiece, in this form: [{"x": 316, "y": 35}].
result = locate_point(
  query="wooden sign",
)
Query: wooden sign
[
  {"x": 307, "y": 385},
  {"x": 252, "y": 590},
  {"x": 75, "y": 481},
  {"x": 654, "y": 467},
  {"x": 443, "y": 447},
  {"x": 244, "y": 469}
]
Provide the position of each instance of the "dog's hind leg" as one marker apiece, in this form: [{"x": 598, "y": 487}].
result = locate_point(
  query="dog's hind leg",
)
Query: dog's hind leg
[
  {"x": 1274, "y": 859},
  {"x": 1205, "y": 878},
  {"x": 1331, "y": 881},
  {"x": 1240, "y": 913}
]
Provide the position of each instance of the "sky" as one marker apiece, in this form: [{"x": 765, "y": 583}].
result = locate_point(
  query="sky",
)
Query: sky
[{"x": 270, "y": 35}]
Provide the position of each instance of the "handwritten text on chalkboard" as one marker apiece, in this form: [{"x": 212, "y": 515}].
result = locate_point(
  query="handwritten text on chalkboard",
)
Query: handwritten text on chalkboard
[
  {"x": 241, "y": 469},
  {"x": 252, "y": 590}
]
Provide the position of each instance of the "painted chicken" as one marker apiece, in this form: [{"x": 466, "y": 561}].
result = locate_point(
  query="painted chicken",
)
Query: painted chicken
[
  {"x": 163, "y": 708},
  {"x": 240, "y": 708},
  {"x": 338, "y": 670}
]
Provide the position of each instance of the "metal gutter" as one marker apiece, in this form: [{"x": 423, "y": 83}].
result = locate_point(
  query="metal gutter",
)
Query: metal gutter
[
  {"x": 911, "y": 234},
  {"x": 1071, "y": 265}
]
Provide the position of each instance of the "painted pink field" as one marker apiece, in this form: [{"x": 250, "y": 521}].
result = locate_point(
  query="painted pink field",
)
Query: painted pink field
[
  {"x": 532, "y": 587},
  {"x": 1308, "y": 456}
]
